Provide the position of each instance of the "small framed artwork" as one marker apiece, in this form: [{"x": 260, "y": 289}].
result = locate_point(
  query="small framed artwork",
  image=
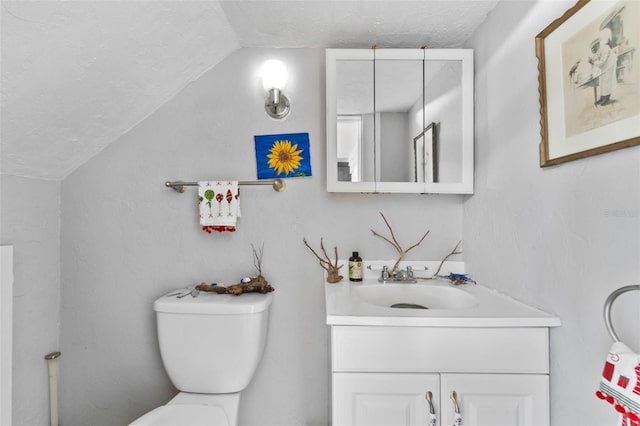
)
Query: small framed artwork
[
  {"x": 425, "y": 155},
  {"x": 589, "y": 80},
  {"x": 283, "y": 156}
]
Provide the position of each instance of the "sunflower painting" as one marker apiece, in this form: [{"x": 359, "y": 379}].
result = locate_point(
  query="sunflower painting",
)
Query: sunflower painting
[{"x": 283, "y": 156}]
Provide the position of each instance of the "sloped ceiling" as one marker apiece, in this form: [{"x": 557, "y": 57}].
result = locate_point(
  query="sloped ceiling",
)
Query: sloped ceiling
[{"x": 77, "y": 75}]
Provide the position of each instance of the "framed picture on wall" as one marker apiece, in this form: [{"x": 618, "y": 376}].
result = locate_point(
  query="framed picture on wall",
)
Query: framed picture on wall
[
  {"x": 589, "y": 80},
  {"x": 283, "y": 156}
]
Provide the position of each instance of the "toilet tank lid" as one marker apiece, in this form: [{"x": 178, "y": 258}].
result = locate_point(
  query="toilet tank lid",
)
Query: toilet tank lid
[{"x": 214, "y": 304}]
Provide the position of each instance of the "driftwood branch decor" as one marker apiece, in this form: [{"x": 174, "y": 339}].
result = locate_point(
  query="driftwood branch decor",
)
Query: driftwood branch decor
[
  {"x": 257, "y": 284},
  {"x": 257, "y": 258},
  {"x": 394, "y": 242},
  {"x": 452, "y": 253},
  {"x": 333, "y": 270},
  {"x": 402, "y": 252}
]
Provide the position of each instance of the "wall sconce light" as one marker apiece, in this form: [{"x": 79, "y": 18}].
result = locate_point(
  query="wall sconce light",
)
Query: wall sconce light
[{"x": 274, "y": 78}]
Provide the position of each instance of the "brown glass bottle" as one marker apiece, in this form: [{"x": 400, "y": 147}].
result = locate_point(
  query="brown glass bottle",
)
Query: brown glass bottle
[{"x": 355, "y": 267}]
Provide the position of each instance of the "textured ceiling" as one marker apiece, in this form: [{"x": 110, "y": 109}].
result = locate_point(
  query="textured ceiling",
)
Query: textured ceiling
[{"x": 77, "y": 75}]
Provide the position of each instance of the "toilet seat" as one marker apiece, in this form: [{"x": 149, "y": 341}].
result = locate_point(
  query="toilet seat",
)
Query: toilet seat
[{"x": 184, "y": 415}]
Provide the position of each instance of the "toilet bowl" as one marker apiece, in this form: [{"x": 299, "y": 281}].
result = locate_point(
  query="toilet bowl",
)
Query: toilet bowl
[
  {"x": 194, "y": 410},
  {"x": 210, "y": 346}
]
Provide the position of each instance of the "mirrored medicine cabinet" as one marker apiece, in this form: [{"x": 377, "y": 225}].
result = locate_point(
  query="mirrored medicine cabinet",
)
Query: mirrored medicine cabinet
[{"x": 400, "y": 120}]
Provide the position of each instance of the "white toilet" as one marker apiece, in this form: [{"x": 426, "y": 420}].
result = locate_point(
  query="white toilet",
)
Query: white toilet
[{"x": 211, "y": 346}]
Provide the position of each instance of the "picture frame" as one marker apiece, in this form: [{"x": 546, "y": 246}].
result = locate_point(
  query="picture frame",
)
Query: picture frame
[
  {"x": 283, "y": 155},
  {"x": 425, "y": 155},
  {"x": 589, "y": 81}
]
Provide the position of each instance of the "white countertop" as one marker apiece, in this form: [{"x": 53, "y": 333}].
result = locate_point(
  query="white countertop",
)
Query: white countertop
[{"x": 492, "y": 309}]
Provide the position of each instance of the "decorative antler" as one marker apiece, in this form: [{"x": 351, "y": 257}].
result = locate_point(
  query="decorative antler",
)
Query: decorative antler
[
  {"x": 394, "y": 242},
  {"x": 333, "y": 275}
]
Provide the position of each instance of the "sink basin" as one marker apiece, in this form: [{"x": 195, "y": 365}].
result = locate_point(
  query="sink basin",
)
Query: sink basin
[{"x": 415, "y": 296}]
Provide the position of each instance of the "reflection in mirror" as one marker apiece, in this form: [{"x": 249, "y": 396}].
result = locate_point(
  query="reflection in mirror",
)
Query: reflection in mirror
[
  {"x": 398, "y": 106},
  {"x": 355, "y": 123},
  {"x": 443, "y": 105},
  {"x": 400, "y": 120},
  {"x": 425, "y": 155},
  {"x": 349, "y": 148}
]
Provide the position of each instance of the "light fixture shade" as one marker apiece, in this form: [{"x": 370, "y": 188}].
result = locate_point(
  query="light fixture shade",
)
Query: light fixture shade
[{"x": 274, "y": 75}]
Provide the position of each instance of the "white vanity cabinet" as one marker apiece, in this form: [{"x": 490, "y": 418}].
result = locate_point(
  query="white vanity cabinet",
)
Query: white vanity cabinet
[
  {"x": 497, "y": 399},
  {"x": 380, "y": 375},
  {"x": 384, "y": 399},
  {"x": 489, "y": 348}
]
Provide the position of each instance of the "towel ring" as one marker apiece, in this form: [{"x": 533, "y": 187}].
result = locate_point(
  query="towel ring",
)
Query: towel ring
[{"x": 607, "y": 308}]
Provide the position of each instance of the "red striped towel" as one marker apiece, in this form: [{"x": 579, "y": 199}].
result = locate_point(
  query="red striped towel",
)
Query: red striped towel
[{"x": 620, "y": 383}]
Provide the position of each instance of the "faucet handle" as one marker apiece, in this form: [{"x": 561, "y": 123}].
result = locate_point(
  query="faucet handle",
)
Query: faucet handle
[
  {"x": 385, "y": 273},
  {"x": 409, "y": 272}
]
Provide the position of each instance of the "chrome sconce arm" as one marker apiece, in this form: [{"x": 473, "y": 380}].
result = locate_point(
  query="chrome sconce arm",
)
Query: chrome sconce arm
[{"x": 277, "y": 104}]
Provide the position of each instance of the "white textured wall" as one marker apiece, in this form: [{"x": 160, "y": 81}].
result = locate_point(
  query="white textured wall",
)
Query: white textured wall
[
  {"x": 76, "y": 75},
  {"x": 30, "y": 221},
  {"x": 127, "y": 239},
  {"x": 561, "y": 238}
]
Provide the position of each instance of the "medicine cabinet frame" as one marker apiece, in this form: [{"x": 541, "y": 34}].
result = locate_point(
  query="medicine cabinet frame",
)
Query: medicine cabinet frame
[{"x": 466, "y": 131}]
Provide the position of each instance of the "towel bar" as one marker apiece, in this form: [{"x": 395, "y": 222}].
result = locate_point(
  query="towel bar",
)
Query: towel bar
[
  {"x": 277, "y": 184},
  {"x": 607, "y": 308}
]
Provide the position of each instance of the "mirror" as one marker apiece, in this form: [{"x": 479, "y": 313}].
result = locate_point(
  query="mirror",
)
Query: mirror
[
  {"x": 425, "y": 155},
  {"x": 400, "y": 120}
]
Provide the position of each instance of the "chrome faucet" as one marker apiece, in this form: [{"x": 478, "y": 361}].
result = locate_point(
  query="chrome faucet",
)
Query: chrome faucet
[{"x": 398, "y": 276}]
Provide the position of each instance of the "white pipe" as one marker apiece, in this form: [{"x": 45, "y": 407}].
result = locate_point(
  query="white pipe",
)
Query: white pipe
[{"x": 52, "y": 360}]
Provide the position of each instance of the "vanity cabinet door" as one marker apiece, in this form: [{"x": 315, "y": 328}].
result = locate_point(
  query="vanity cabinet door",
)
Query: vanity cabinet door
[
  {"x": 496, "y": 399},
  {"x": 383, "y": 399}
]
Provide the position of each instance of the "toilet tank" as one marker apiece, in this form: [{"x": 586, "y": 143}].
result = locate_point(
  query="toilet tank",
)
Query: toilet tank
[{"x": 212, "y": 343}]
